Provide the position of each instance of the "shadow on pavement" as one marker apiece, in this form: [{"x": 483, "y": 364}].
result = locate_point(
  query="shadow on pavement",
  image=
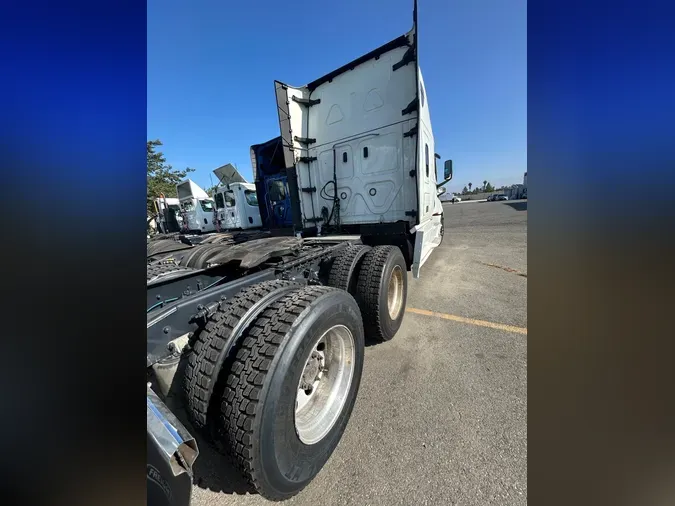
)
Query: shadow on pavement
[
  {"x": 518, "y": 206},
  {"x": 212, "y": 470}
]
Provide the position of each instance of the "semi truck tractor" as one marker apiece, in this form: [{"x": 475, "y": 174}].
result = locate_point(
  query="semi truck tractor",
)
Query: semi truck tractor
[
  {"x": 236, "y": 201},
  {"x": 262, "y": 342},
  {"x": 196, "y": 208}
]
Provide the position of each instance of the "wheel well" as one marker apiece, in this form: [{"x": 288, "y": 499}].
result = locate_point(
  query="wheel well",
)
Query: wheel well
[{"x": 405, "y": 242}]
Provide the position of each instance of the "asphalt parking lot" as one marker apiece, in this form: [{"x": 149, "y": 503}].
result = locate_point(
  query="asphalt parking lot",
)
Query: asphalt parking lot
[{"x": 441, "y": 416}]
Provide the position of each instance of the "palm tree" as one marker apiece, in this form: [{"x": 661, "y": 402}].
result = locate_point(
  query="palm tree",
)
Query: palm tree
[
  {"x": 470, "y": 184},
  {"x": 484, "y": 184}
]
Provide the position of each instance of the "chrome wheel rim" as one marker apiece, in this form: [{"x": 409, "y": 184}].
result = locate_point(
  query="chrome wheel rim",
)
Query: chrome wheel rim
[
  {"x": 395, "y": 292},
  {"x": 324, "y": 384}
]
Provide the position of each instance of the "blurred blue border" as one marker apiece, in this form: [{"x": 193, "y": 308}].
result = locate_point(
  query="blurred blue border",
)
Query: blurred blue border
[
  {"x": 601, "y": 99},
  {"x": 74, "y": 106}
]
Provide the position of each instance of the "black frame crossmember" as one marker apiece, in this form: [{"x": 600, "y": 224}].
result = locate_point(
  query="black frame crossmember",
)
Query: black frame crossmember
[
  {"x": 411, "y": 132},
  {"x": 306, "y": 159},
  {"x": 306, "y": 101}
]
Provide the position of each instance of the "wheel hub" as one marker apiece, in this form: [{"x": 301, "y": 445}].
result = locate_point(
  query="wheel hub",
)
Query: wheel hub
[
  {"x": 312, "y": 371},
  {"x": 395, "y": 292},
  {"x": 324, "y": 384}
]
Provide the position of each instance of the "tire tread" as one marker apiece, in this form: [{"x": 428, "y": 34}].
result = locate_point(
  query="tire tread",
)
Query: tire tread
[
  {"x": 368, "y": 289},
  {"x": 345, "y": 266},
  {"x": 240, "y": 400},
  {"x": 201, "y": 371}
]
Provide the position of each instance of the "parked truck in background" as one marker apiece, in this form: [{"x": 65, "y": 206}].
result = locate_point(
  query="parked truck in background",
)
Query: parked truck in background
[
  {"x": 263, "y": 341},
  {"x": 167, "y": 214},
  {"x": 196, "y": 208},
  {"x": 236, "y": 201}
]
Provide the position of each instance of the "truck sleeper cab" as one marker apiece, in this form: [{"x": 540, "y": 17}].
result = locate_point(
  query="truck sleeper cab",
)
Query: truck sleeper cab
[{"x": 359, "y": 152}]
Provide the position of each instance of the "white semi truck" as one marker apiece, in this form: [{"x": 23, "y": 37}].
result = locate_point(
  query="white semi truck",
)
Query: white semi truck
[
  {"x": 236, "y": 201},
  {"x": 263, "y": 341},
  {"x": 167, "y": 215},
  {"x": 197, "y": 208}
]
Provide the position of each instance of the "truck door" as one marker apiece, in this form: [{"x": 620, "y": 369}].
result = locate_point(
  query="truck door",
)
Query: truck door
[
  {"x": 252, "y": 216},
  {"x": 429, "y": 226},
  {"x": 230, "y": 214}
]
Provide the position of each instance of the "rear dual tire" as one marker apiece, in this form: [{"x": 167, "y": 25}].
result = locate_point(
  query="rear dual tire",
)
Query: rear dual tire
[
  {"x": 259, "y": 413},
  {"x": 345, "y": 269},
  {"x": 381, "y": 291},
  {"x": 377, "y": 277},
  {"x": 305, "y": 338}
]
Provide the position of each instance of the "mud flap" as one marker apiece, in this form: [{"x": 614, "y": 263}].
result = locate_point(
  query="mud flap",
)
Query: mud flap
[{"x": 170, "y": 454}]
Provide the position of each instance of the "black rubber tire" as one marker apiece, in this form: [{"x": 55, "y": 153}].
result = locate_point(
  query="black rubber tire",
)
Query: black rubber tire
[
  {"x": 211, "y": 347},
  {"x": 258, "y": 408},
  {"x": 158, "y": 270},
  {"x": 372, "y": 289},
  {"x": 344, "y": 271}
]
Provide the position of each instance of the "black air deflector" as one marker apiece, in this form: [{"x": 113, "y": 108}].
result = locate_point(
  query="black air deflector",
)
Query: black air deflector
[{"x": 304, "y": 140}]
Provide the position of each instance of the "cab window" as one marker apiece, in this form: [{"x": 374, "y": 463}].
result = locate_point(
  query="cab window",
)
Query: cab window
[
  {"x": 220, "y": 202},
  {"x": 251, "y": 197},
  {"x": 207, "y": 205}
]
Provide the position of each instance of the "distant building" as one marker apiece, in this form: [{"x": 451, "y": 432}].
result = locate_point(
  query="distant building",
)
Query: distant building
[{"x": 525, "y": 179}]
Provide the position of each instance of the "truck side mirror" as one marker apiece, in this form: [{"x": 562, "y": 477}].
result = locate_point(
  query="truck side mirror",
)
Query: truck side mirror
[
  {"x": 441, "y": 191},
  {"x": 447, "y": 173}
]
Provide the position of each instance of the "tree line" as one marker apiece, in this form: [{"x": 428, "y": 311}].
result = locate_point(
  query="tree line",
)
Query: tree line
[
  {"x": 162, "y": 177},
  {"x": 486, "y": 188}
]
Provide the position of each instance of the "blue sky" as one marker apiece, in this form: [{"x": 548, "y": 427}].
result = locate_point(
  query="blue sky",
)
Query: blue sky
[{"x": 212, "y": 64}]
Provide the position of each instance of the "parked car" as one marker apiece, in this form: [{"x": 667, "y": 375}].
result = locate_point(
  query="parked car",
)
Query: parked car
[
  {"x": 497, "y": 196},
  {"x": 455, "y": 198}
]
